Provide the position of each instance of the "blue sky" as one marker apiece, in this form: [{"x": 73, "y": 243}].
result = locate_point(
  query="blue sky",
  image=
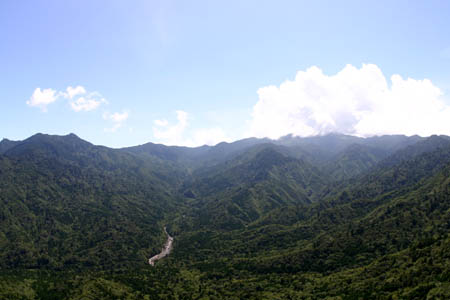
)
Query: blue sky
[{"x": 194, "y": 72}]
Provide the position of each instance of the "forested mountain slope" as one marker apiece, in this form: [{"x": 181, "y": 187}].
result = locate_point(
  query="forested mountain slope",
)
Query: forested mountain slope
[
  {"x": 303, "y": 225},
  {"x": 6, "y": 144},
  {"x": 354, "y": 160},
  {"x": 237, "y": 192},
  {"x": 296, "y": 218},
  {"x": 65, "y": 202}
]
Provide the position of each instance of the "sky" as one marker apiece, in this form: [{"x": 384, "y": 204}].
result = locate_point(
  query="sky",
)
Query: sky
[{"x": 124, "y": 73}]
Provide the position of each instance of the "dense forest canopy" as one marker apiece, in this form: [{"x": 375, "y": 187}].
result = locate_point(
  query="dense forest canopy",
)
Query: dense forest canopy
[{"x": 333, "y": 216}]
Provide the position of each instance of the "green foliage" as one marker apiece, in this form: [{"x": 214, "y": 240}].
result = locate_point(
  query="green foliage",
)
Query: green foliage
[
  {"x": 91, "y": 206},
  {"x": 331, "y": 217}
]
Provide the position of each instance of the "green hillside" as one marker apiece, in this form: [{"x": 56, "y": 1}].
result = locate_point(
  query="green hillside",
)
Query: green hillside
[
  {"x": 328, "y": 217},
  {"x": 66, "y": 203}
]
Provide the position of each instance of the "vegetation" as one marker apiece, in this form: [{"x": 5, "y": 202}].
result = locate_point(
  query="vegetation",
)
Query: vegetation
[{"x": 332, "y": 217}]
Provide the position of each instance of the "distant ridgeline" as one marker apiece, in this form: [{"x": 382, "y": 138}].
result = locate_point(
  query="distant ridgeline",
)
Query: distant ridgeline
[{"x": 296, "y": 218}]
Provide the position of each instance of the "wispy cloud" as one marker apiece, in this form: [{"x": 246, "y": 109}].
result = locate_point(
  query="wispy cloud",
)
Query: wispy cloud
[
  {"x": 86, "y": 104},
  {"x": 161, "y": 123},
  {"x": 81, "y": 100},
  {"x": 117, "y": 119},
  {"x": 172, "y": 134},
  {"x": 179, "y": 133}
]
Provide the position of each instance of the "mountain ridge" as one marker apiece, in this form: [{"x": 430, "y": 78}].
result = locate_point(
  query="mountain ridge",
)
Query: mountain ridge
[{"x": 266, "y": 214}]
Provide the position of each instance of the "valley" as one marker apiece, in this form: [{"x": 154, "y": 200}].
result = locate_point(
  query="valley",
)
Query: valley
[
  {"x": 333, "y": 216},
  {"x": 164, "y": 252}
]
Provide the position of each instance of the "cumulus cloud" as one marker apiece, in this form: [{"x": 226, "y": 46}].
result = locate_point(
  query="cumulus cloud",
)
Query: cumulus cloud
[
  {"x": 171, "y": 134},
  {"x": 42, "y": 98},
  {"x": 71, "y": 92},
  {"x": 178, "y": 133},
  {"x": 209, "y": 136},
  {"x": 79, "y": 98},
  {"x": 353, "y": 101},
  {"x": 116, "y": 118},
  {"x": 86, "y": 104}
]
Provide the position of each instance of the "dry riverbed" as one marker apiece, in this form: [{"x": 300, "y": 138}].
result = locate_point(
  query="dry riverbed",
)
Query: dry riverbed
[{"x": 165, "y": 250}]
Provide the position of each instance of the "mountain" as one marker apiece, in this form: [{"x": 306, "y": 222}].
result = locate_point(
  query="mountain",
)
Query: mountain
[
  {"x": 334, "y": 216},
  {"x": 65, "y": 202},
  {"x": 367, "y": 193},
  {"x": 6, "y": 144},
  {"x": 354, "y": 232},
  {"x": 423, "y": 146},
  {"x": 239, "y": 191},
  {"x": 328, "y": 146},
  {"x": 198, "y": 157},
  {"x": 354, "y": 160}
]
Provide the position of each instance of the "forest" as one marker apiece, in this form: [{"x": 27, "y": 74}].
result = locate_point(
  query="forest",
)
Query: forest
[{"x": 323, "y": 217}]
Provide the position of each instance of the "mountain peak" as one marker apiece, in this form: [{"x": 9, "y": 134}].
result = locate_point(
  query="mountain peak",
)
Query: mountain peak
[
  {"x": 49, "y": 137},
  {"x": 46, "y": 143},
  {"x": 72, "y": 135},
  {"x": 7, "y": 144}
]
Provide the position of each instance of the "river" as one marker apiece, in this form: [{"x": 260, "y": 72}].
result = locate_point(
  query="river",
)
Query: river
[{"x": 165, "y": 250}]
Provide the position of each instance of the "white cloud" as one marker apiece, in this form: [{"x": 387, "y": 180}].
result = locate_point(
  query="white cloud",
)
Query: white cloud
[
  {"x": 116, "y": 118},
  {"x": 79, "y": 98},
  {"x": 354, "y": 101},
  {"x": 209, "y": 136},
  {"x": 161, "y": 122},
  {"x": 119, "y": 117},
  {"x": 74, "y": 91},
  {"x": 178, "y": 134},
  {"x": 42, "y": 98},
  {"x": 85, "y": 104},
  {"x": 172, "y": 135}
]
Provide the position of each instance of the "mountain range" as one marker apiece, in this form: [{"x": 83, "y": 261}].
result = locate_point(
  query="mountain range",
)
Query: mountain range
[{"x": 322, "y": 217}]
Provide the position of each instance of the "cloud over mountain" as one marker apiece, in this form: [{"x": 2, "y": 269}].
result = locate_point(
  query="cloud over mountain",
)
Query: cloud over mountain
[
  {"x": 180, "y": 133},
  {"x": 353, "y": 101}
]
